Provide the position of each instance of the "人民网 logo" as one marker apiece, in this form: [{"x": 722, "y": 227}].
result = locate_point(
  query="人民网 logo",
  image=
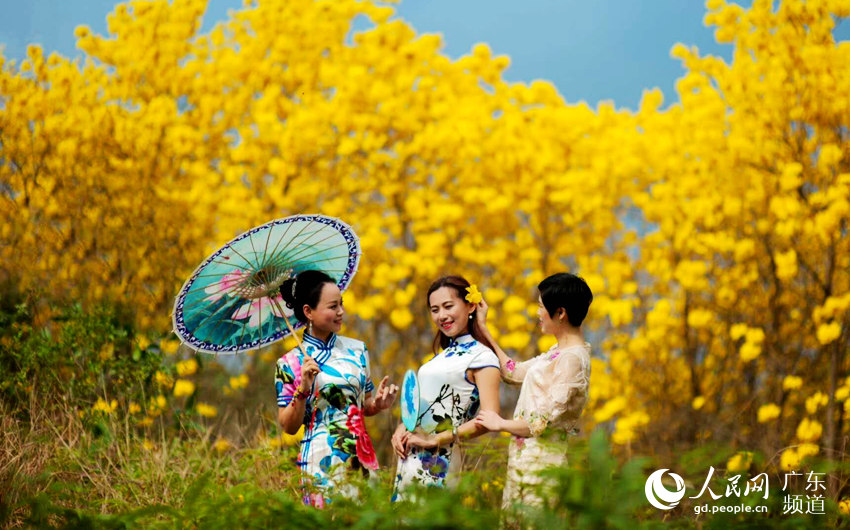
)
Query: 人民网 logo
[{"x": 659, "y": 496}]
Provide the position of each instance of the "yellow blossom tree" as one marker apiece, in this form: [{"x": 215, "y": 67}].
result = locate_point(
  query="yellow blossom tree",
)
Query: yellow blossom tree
[{"x": 713, "y": 231}]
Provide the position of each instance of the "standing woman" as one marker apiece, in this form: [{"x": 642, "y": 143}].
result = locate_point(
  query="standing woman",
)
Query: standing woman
[
  {"x": 453, "y": 385},
  {"x": 554, "y": 387},
  {"x": 329, "y": 389}
]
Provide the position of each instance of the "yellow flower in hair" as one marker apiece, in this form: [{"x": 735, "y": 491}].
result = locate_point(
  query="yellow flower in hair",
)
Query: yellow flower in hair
[{"x": 474, "y": 296}]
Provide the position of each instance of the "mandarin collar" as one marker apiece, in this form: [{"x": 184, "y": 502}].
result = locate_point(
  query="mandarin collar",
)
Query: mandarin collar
[
  {"x": 454, "y": 341},
  {"x": 319, "y": 344}
]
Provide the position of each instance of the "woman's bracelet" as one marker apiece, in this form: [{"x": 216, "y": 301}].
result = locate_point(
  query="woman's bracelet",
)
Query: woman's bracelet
[{"x": 301, "y": 394}]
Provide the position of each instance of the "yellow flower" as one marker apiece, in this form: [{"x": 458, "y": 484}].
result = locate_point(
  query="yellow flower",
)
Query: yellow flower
[
  {"x": 827, "y": 333},
  {"x": 163, "y": 380},
  {"x": 790, "y": 460},
  {"x": 844, "y": 506},
  {"x": 750, "y": 351},
  {"x": 82, "y": 32},
  {"x": 401, "y": 318},
  {"x": 768, "y": 413},
  {"x": 755, "y": 335},
  {"x": 142, "y": 342},
  {"x": 106, "y": 351},
  {"x": 473, "y": 295},
  {"x": 102, "y": 406},
  {"x": 740, "y": 462},
  {"x": 807, "y": 449},
  {"x": 207, "y": 411},
  {"x": 698, "y": 402},
  {"x": 626, "y": 427},
  {"x": 545, "y": 342},
  {"x": 147, "y": 445},
  {"x": 147, "y": 421},
  {"x": 816, "y": 401},
  {"x": 611, "y": 407},
  {"x": 809, "y": 430},
  {"x": 494, "y": 296},
  {"x": 239, "y": 381},
  {"x": 157, "y": 405},
  {"x": 187, "y": 367},
  {"x": 792, "y": 382},
  {"x": 737, "y": 331},
  {"x": 183, "y": 387},
  {"x": 134, "y": 408},
  {"x": 700, "y": 318},
  {"x": 786, "y": 264},
  {"x": 169, "y": 346},
  {"x": 221, "y": 445}
]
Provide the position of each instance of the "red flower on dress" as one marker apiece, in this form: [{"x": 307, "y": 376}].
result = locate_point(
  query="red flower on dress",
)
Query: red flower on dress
[
  {"x": 365, "y": 451},
  {"x": 510, "y": 365},
  {"x": 317, "y": 500}
]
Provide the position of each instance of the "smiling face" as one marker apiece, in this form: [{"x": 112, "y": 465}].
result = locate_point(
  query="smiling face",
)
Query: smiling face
[
  {"x": 327, "y": 315},
  {"x": 449, "y": 312}
]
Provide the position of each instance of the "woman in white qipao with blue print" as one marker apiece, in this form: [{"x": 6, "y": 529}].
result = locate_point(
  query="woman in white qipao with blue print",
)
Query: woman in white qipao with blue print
[
  {"x": 554, "y": 388},
  {"x": 454, "y": 385}
]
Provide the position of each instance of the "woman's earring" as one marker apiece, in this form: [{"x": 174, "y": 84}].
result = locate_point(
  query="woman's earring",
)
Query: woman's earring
[{"x": 310, "y": 328}]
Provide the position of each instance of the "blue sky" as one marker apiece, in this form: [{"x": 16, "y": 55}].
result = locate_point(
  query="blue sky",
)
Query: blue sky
[{"x": 591, "y": 50}]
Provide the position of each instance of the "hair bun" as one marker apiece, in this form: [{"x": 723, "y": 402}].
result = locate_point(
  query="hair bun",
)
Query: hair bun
[{"x": 286, "y": 289}]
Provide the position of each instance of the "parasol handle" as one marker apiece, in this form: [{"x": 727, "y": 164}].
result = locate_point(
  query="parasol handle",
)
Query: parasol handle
[
  {"x": 297, "y": 340},
  {"x": 295, "y": 335}
]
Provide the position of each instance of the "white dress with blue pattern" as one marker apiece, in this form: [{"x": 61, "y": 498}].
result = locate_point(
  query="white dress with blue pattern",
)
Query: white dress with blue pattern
[
  {"x": 343, "y": 382},
  {"x": 447, "y": 398}
]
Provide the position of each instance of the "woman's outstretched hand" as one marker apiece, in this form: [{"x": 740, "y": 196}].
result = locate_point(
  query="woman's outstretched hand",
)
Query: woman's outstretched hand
[
  {"x": 385, "y": 395},
  {"x": 490, "y": 420}
]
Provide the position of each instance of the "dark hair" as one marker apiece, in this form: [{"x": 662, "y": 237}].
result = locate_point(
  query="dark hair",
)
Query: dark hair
[
  {"x": 308, "y": 290},
  {"x": 568, "y": 291},
  {"x": 459, "y": 284}
]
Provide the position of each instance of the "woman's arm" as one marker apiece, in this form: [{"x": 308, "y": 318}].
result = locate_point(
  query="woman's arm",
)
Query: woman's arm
[
  {"x": 291, "y": 416},
  {"x": 504, "y": 361},
  {"x": 561, "y": 392},
  {"x": 494, "y": 423},
  {"x": 511, "y": 371},
  {"x": 487, "y": 381}
]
